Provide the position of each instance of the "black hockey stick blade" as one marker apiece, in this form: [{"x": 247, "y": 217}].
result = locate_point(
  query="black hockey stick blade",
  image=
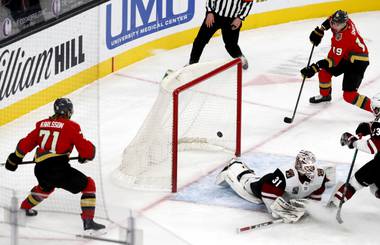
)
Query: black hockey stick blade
[{"x": 288, "y": 119}]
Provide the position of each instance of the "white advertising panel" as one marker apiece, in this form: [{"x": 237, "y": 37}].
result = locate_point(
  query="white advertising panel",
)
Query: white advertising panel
[{"x": 47, "y": 57}]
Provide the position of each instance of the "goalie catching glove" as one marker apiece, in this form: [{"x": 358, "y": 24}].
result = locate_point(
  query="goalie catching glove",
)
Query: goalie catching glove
[{"x": 290, "y": 211}]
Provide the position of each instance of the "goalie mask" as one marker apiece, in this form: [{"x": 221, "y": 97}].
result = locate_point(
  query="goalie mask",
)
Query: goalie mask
[
  {"x": 375, "y": 105},
  {"x": 305, "y": 164}
]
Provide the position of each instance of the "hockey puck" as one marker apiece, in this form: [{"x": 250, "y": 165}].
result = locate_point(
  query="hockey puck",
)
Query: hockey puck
[
  {"x": 288, "y": 120},
  {"x": 220, "y": 135}
]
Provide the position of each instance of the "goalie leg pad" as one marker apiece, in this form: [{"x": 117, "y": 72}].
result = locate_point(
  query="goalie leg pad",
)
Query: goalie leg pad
[{"x": 239, "y": 177}]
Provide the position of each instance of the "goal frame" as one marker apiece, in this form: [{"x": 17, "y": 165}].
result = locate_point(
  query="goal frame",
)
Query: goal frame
[{"x": 176, "y": 97}]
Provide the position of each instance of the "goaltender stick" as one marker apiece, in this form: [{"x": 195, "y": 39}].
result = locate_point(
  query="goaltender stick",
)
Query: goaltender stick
[{"x": 283, "y": 191}]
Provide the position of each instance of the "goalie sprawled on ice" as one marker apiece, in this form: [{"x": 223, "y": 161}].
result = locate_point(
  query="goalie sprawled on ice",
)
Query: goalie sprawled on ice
[{"x": 282, "y": 191}]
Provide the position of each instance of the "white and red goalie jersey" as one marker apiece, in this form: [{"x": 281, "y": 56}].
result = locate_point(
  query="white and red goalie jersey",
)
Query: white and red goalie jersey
[
  {"x": 282, "y": 184},
  {"x": 289, "y": 184}
]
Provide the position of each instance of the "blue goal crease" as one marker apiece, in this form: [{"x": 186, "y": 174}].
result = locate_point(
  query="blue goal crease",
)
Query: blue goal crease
[{"x": 205, "y": 191}]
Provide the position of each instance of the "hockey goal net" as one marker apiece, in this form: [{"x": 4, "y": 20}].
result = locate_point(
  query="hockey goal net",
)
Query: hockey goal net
[{"x": 198, "y": 108}]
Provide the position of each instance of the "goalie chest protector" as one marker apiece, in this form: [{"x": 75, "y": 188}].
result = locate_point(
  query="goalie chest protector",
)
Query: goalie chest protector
[{"x": 294, "y": 189}]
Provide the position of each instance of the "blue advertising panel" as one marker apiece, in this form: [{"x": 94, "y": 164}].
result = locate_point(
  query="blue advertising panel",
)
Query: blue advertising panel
[{"x": 144, "y": 17}]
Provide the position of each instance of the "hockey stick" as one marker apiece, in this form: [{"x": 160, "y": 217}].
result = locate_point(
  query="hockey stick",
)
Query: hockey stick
[
  {"x": 338, "y": 212},
  {"x": 257, "y": 226},
  {"x": 288, "y": 119},
  {"x": 30, "y": 162}
]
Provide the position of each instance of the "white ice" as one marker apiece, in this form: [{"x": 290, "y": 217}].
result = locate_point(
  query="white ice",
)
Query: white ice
[{"x": 271, "y": 85}]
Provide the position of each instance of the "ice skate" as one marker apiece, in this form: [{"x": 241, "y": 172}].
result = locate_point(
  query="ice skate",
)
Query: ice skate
[
  {"x": 91, "y": 228},
  {"x": 30, "y": 212},
  {"x": 319, "y": 98}
]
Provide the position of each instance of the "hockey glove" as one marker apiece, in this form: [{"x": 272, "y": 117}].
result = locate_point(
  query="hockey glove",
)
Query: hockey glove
[
  {"x": 316, "y": 36},
  {"x": 12, "y": 162},
  {"x": 299, "y": 203},
  {"x": 82, "y": 159},
  {"x": 363, "y": 129},
  {"x": 310, "y": 71},
  {"x": 348, "y": 139},
  {"x": 324, "y": 64},
  {"x": 286, "y": 211}
]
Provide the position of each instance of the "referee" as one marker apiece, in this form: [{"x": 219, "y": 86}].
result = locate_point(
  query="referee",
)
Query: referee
[{"x": 226, "y": 15}]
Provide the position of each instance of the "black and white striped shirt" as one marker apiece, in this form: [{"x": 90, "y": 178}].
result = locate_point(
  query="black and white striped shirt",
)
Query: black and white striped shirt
[{"x": 230, "y": 8}]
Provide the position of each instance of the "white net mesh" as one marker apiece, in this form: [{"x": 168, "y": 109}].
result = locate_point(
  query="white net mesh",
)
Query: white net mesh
[{"x": 207, "y": 118}]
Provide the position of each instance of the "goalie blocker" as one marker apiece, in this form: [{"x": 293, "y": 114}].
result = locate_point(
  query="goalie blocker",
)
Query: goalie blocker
[{"x": 282, "y": 191}]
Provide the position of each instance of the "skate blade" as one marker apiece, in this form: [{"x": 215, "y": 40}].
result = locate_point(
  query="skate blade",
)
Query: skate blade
[{"x": 100, "y": 232}]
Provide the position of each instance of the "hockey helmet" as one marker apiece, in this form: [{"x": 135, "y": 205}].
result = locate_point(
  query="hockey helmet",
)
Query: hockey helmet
[
  {"x": 338, "y": 20},
  {"x": 339, "y": 17},
  {"x": 375, "y": 105},
  {"x": 63, "y": 107},
  {"x": 305, "y": 164}
]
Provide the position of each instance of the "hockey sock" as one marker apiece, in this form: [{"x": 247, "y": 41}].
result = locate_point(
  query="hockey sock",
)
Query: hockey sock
[
  {"x": 88, "y": 200},
  {"x": 325, "y": 88},
  {"x": 324, "y": 83},
  {"x": 360, "y": 101},
  {"x": 36, "y": 196}
]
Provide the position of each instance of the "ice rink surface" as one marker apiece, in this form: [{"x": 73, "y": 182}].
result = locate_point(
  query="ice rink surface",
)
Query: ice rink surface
[{"x": 202, "y": 213}]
